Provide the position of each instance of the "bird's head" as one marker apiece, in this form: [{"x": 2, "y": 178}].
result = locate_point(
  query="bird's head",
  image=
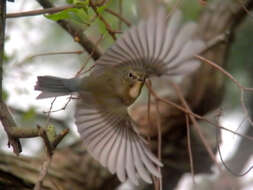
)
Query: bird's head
[{"x": 133, "y": 81}]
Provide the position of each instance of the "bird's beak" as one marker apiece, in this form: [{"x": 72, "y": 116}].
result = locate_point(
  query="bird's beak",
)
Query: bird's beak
[{"x": 142, "y": 79}]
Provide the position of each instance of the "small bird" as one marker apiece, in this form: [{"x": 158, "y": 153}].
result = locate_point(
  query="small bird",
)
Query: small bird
[{"x": 155, "y": 47}]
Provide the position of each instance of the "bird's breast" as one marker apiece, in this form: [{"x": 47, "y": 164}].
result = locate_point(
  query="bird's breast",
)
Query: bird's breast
[
  {"x": 131, "y": 93},
  {"x": 135, "y": 90}
]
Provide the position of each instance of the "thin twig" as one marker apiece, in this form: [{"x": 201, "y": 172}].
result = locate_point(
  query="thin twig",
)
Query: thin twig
[
  {"x": 196, "y": 115},
  {"x": 148, "y": 82},
  {"x": 174, "y": 7},
  {"x": 56, "y": 53},
  {"x": 59, "y": 138},
  {"x": 43, "y": 172},
  {"x": 75, "y": 31},
  {"x": 120, "y": 14},
  {"x": 9, "y": 125},
  {"x": 2, "y": 39},
  {"x": 99, "y": 4},
  {"x": 71, "y": 97},
  {"x": 196, "y": 125},
  {"x": 88, "y": 58},
  {"x": 149, "y": 105},
  {"x": 43, "y": 135},
  {"x": 49, "y": 112},
  {"x": 203, "y": 2},
  {"x": 189, "y": 148},
  {"x": 223, "y": 71},
  {"x": 159, "y": 153},
  {"x": 121, "y": 18},
  {"x": 240, "y": 86},
  {"x": 108, "y": 27},
  {"x": 15, "y": 133},
  {"x": 159, "y": 132},
  {"x": 226, "y": 166},
  {"x": 39, "y": 12},
  {"x": 245, "y": 110},
  {"x": 29, "y": 58},
  {"x": 245, "y": 8},
  {"x": 50, "y": 146}
]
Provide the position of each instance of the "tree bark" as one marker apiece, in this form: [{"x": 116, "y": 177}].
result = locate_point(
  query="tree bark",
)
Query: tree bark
[{"x": 73, "y": 168}]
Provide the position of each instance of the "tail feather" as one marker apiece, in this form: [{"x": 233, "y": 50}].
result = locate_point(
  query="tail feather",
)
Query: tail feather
[{"x": 55, "y": 86}]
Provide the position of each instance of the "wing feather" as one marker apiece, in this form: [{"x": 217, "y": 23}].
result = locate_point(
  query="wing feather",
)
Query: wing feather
[
  {"x": 130, "y": 168},
  {"x": 107, "y": 148},
  {"x": 183, "y": 36},
  {"x": 86, "y": 130},
  {"x": 139, "y": 164},
  {"x": 148, "y": 164},
  {"x": 97, "y": 135},
  {"x": 160, "y": 34},
  {"x": 141, "y": 32},
  {"x": 155, "y": 45},
  {"x": 170, "y": 33},
  {"x": 151, "y": 156},
  {"x": 150, "y": 35},
  {"x": 121, "y": 173},
  {"x": 113, "y": 141},
  {"x": 158, "y": 46},
  {"x": 100, "y": 142},
  {"x": 134, "y": 38},
  {"x": 112, "y": 159}
]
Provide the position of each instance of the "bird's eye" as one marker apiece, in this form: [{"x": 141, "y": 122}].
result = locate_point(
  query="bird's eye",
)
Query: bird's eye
[{"x": 130, "y": 75}]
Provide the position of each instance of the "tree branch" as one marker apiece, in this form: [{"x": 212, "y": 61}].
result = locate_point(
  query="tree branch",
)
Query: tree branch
[
  {"x": 76, "y": 32},
  {"x": 174, "y": 154},
  {"x": 5, "y": 116},
  {"x": 58, "y": 9},
  {"x": 9, "y": 125},
  {"x": 39, "y": 11},
  {"x": 2, "y": 36}
]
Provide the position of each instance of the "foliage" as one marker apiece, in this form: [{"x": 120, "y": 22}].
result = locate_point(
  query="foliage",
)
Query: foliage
[
  {"x": 29, "y": 114},
  {"x": 79, "y": 15}
]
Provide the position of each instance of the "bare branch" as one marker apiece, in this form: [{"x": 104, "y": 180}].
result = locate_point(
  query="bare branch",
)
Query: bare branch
[
  {"x": 76, "y": 32},
  {"x": 186, "y": 111},
  {"x": 189, "y": 147},
  {"x": 121, "y": 18},
  {"x": 108, "y": 27},
  {"x": 88, "y": 58},
  {"x": 120, "y": 13},
  {"x": 59, "y": 138},
  {"x": 9, "y": 126},
  {"x": 2, "y": 36},
  {"x": 39, "y": 12},
  {"x": 196, "y": 125},
  {"x": 43, "y": 173}
]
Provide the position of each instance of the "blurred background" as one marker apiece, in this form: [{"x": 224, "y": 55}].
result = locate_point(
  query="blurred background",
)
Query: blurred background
[{"x": 29, "y": 37}]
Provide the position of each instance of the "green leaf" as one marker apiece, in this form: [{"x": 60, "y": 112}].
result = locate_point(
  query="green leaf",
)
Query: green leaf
[
  {"x": 101, "y": 26},
  {"x": 69, "y": 1},
  {"x": 101, "y": 8},
  {"x": 5, "y": 95},
  {"x": 81, "y": 3},
  {"x": 30, "y": 114},
  {"x": 61, "y": 15},
  {"x": 75, "y": 16},
  {"x": 51, "y": 133},
  {"x": 79, "y": 15}
]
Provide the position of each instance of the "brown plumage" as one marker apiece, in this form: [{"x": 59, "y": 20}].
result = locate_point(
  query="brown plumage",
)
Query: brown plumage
[{"x": 152, "y": 48}]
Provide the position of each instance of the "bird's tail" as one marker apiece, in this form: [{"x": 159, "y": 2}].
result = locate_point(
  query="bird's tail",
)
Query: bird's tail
[{"x": 53, "y": 86}]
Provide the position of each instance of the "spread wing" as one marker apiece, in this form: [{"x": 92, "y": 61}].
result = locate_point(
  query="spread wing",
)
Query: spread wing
[
  {"x": 111, "y": 138},
  {"x": 159, "y": 45}
]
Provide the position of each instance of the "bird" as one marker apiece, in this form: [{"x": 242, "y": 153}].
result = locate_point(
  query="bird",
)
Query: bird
[{"x": 158, "y": 46}]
